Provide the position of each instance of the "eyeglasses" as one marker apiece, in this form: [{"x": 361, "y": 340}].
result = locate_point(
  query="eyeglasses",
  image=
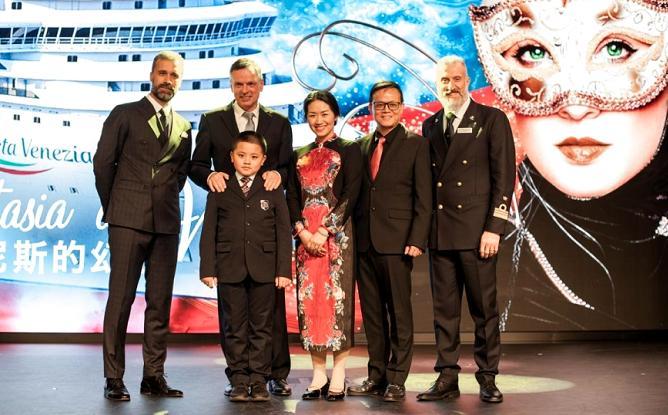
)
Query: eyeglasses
[{"x": 393, "y": 106}]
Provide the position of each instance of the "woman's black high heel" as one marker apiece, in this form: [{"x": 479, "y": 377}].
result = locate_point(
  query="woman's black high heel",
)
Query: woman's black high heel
[
  {"x": 336, "y": 396},
  {"x": 310, "y": 395}
]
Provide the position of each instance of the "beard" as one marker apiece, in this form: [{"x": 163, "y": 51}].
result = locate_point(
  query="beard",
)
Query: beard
[
  {"x": 163, "y": 96},
  {"x": 452, "y": 102}
]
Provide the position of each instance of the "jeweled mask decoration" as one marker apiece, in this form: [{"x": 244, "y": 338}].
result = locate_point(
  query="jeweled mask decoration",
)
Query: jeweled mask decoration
[{"x": 540, "y": 55}]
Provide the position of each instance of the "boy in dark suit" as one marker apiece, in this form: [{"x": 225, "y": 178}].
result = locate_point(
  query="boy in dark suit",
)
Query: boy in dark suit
[{"x": 245, "y": 251}]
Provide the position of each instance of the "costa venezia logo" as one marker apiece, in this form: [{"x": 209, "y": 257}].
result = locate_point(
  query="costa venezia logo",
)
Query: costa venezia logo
[{"x": 25, "y": 156}]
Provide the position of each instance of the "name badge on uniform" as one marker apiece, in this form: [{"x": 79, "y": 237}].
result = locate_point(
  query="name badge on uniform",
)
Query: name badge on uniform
[
  {"x": 464, "y": 130},
  {"x": 264, "y": 204}
]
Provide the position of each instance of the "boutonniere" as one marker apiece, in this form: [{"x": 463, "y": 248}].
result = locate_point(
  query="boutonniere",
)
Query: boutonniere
[{"x": 474, "y": 124}]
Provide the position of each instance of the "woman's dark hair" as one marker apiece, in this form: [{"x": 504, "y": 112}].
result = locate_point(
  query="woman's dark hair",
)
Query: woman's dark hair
[{"x": 324, "y": 96}]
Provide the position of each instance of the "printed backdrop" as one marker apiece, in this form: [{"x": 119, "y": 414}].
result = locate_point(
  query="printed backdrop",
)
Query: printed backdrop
[{"x": 569, "y": 262}]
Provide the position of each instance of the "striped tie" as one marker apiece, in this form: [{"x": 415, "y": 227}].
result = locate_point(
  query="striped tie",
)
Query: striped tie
[{"x": 245, "y": 185}]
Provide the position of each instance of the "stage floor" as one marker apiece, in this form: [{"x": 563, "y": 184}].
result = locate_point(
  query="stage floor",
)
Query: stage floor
[{"x": 575, "y": 378}]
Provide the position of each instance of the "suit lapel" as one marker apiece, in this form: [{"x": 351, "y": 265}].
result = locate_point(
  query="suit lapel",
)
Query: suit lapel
[
  {"x": 227, "y": 116},
  {"x": 263, "y": 123},
  {"x": 365, "y": 145},
  {"x": 148, "y": 113},
  {"x": 437, "y": 139},
  {"x": 179, "y": 126},
  {"x": 390, "y": 150},
  {"x": 256, "y": 185},
  {"x": 459, "y": 142},
  {"x": 233, "y": 186}
]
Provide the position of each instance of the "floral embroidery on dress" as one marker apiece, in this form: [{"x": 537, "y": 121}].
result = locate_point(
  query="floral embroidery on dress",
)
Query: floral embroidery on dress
[{"x": 323, "y": 303}]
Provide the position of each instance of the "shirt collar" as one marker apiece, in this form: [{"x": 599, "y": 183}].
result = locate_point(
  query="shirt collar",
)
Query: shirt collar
[
  {"x": 389, "y": 136},
  {"x": 157, "y": 107},
  {"x": 459, "y": 115},
  {"x": 238, "y": 111},
  {"x": 240, "y": 176}
]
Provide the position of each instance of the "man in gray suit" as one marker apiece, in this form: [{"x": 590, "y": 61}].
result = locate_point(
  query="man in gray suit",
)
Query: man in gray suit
[{"x": 140, "y": 167}]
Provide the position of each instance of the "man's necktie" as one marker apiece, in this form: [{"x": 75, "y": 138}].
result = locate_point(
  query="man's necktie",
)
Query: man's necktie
[
  {"x": 374, "y": 164},
  {"x": 250, "y": 124},
  {"x": 163, "y": 127},
  {"x": 245, "y": 185},
  {"x": 449, "y": 131}
]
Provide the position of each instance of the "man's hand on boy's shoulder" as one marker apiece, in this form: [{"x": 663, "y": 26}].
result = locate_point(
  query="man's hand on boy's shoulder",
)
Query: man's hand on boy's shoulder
[
  {"x": 210, "y": 282},
  {"x": 272, "y": 179},
  {"x": 283, "y": 282},
  {"x": 216, "y": 181}
]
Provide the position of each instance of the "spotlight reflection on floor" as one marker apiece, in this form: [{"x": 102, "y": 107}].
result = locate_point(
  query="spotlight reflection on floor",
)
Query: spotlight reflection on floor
[
  {"x": 508, "y": 384},
  {"x": 418, "y": 382}
]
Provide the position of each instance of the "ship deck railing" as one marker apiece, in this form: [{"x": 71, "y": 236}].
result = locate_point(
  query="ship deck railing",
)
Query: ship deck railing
[
  {"x": 17, "y": 92},
  {"x": 173, "y": 41}
]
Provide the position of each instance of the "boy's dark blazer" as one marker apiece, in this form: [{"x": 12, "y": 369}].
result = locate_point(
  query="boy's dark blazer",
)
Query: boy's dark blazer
[{"x": 244, "y": 236}]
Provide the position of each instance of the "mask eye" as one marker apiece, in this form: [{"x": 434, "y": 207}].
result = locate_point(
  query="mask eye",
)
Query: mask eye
[
  {"x": 615, "y": 50},
  {"x": 529, "y": 54}
]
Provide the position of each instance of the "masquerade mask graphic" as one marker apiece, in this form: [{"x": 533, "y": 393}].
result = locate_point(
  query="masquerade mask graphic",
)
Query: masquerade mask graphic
[{"x": 541, "y": 55}]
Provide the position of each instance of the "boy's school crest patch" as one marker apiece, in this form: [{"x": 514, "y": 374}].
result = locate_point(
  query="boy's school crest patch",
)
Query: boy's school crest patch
[{"x": 264, "y": 204}]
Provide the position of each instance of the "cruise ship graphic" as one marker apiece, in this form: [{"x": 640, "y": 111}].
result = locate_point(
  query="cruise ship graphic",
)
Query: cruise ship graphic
[{"x": 64, "y": 64}]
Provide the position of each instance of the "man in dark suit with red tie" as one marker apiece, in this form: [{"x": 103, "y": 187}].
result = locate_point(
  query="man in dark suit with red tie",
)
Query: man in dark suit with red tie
[
  {"x": 392, "y": 220},
  {"x": 473, "y": 171},
  {"x": 140, "y": 167},
  {"x": 217, "y": 130}
]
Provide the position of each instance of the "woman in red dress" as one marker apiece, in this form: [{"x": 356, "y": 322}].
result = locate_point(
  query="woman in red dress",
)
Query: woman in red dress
[{"x": 322, "y": 188}]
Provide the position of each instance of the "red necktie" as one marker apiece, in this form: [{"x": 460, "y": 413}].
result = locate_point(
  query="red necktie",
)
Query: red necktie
[{"x": 376, "y": 156}]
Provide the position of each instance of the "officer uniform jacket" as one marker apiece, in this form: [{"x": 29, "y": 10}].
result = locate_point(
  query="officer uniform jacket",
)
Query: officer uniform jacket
[{"x": 473, "y": 179}]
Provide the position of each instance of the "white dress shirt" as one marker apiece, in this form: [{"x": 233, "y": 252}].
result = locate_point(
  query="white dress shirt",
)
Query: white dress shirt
[
  {"x": 241, "y": 120},
  {"x": 459, "y": 115}
]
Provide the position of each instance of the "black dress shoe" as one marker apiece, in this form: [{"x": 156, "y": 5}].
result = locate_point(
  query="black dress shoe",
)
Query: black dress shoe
[
  {"x": 311, "y": 395},
  {"x": 115, "y": 390},
  {"x": 239, "y": 393},
  {"x": 258, "y": 392},
  {"x": 394, "y": 393},
  {"x": 157, "y": 386},
  {"x": 336, "y": 396},
  {"x": 279, "y": 387},
  {"x": 368, "y": 387},
  {"x": 443, "y": 388},
  {"x": 228, "y": 389},
  {"x": 488, "y": 390}
]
